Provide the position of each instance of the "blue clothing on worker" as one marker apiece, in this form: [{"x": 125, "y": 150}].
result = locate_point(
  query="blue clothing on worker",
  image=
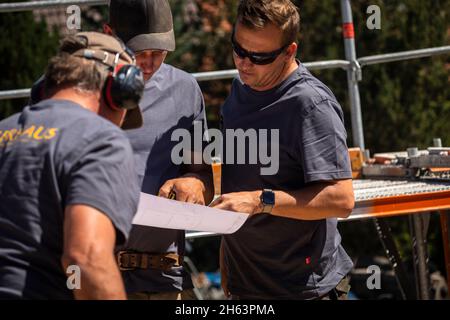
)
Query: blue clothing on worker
[
  {"x": 172, "y": 100},
  {"x": 54, "y": 154},
  {"x": 272, "y": 256}
]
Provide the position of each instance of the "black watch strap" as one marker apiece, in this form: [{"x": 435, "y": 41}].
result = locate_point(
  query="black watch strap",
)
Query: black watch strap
[{"x": 267, "y": 200}]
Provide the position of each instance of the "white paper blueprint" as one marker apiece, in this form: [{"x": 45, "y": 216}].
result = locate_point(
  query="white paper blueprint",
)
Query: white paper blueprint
[{"x": 170, "y": 214}]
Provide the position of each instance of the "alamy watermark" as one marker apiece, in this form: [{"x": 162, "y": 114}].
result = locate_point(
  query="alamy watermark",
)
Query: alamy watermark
[
  {"x": 249, "y": 146},
  {"x": 74, "y": 17},
  {"x": 374, "y": 20},
  {"x": 374, "y": 280},
  {"x": 73, "y": 277}
]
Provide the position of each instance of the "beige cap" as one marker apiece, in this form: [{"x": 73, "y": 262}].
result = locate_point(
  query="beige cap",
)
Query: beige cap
[{"x": 111, "y": 52}]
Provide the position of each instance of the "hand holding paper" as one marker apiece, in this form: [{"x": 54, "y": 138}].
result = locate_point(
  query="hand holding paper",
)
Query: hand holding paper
[{"x": 164, "y": 213}]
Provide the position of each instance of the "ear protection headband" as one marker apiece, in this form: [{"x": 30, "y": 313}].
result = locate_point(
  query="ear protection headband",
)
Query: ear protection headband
[
  {"x": 124, "y": 85},
  {"x": 123, "y": 88}
]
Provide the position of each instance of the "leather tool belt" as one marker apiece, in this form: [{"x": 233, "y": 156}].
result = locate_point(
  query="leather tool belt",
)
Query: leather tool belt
[{"x": 129, "y": 260}]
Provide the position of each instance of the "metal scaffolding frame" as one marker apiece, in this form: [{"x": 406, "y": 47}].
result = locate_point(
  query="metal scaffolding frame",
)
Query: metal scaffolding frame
[
  {"x": 352, "y": 65},
  {"x": 45, "y": 4}
]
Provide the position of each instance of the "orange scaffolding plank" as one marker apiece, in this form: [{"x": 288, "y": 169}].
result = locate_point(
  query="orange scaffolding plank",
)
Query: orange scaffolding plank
[{"x": 401, "y": 205}]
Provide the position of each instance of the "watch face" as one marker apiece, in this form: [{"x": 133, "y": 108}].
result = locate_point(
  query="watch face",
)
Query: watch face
[{"x": 268, "y": 197}]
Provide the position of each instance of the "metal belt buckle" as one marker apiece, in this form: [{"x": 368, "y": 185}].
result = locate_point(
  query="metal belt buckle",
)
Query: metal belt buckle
[
  {"x": 166, "y": 263},
  {"x": 119, "y": 262}
]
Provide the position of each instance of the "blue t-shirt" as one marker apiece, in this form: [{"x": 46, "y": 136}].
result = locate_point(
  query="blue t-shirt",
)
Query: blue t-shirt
[
  {"x": 172, "y": 100},
  {"x": 276, "y": 257},
  {"x": 54, "y": 154}
]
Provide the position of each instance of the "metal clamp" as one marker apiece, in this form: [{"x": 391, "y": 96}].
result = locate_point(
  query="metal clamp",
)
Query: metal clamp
[{"x": 356, "y": 70}]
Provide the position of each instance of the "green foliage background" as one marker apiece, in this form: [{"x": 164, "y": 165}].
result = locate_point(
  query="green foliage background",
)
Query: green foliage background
[
  {"x": 403, "y": 104},
  {"x": 25, "y": 46}
]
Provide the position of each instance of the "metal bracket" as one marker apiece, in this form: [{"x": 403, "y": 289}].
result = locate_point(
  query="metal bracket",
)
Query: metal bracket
[{"x": 356, "y": 71}]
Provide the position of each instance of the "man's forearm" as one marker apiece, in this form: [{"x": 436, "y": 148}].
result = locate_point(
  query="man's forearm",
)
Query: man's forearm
[{"x": 317, "y": 201}]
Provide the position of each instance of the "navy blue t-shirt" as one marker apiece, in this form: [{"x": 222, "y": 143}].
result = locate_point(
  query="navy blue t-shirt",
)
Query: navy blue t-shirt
[
  {"x": 278, "y": 257},
  {"x": 172, "y": 100},
  {"x": 54, "y": 154}
]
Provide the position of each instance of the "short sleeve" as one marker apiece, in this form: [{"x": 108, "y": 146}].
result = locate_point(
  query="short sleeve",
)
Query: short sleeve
[
  {"x": 104, "y": 177},
  {"x": 322, "y": 145}
]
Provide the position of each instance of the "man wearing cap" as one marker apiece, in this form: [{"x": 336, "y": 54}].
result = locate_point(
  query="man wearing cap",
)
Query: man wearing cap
[
  {"x": 69, "y": 188},
  {"x": 152, "y": 261}
]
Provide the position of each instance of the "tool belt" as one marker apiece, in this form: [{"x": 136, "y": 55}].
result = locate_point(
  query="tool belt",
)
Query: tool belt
[{"x": 129, "y": 260}]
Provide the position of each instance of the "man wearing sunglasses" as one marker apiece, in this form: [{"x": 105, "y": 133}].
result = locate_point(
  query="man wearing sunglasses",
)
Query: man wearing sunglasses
[{"x": 289, "y": 248}]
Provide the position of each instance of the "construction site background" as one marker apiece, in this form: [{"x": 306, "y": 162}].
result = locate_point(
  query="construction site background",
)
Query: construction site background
[{"x": 403, "y": 104}]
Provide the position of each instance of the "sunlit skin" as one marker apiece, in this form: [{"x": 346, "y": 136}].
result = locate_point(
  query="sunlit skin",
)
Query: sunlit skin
[
  {"x": 150, "y": 61},
  {"x": 267, "y": 39},
  {"x": 91, "y": 100}
]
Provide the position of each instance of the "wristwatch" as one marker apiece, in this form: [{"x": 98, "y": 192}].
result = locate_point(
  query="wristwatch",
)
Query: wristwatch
[{"x": 267, "y": 200}]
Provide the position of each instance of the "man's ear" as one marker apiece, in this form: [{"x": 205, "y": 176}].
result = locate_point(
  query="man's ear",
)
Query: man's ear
[
  {"x": 107, "y": 29},
  {"x": 291, "y": 51}
]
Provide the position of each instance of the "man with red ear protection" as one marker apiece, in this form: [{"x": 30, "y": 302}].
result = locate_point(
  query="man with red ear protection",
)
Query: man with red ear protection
[
  {"x": 122, "y": 88},
  {"x": 69, "y": 188}
]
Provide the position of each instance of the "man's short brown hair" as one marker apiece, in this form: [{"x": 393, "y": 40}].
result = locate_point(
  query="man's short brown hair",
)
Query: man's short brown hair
[
  {"x": 282, "y": 13},
  {"x": 66, "y": 70}
]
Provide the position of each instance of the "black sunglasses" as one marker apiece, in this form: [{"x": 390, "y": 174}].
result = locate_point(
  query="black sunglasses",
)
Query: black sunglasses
[{"x": 259, "y": 58}]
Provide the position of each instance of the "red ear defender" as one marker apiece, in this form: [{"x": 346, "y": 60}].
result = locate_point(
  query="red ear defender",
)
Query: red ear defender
[
  {"x": 123, "y": 88},
  {"x": 117, "y": 68},
  {"x": 107, "y": 93}
]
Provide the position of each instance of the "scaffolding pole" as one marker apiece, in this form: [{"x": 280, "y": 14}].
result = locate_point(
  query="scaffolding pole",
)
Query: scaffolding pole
[
  {"x": 353, "y": 74},
  {"x": 403, "y": 56},
  {"x": 33, "y": 5},
  {"x": 201, "y": 76}
]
